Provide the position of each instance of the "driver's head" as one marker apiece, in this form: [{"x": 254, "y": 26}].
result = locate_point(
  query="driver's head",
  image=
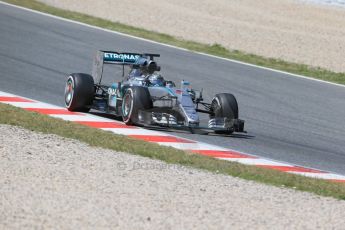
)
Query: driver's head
[{"x": 156, "y": 80}]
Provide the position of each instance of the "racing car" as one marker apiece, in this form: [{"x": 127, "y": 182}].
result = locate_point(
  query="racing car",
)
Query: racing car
[{"x": 143, "y": 97}]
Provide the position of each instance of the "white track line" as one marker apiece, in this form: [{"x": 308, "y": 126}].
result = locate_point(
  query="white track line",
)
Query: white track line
[
  {"x": 4, "y": 94},
  {"x": 34, "y": 105},
  {"x": 192, "y": 146},
  {"x": 131, "y": 131},
  {"x": 256, "y": 161},
  {"x": 82, "y": 117}
]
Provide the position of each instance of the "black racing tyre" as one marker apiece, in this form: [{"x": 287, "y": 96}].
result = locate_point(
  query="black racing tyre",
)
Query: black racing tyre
[
  {"x": 79, "y": 92},
  {"x": 136, "y": 98},
  {"x": 224, "y": 105}
]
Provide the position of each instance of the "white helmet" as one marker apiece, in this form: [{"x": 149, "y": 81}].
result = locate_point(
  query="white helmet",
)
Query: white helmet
[{"x": 156, "y": 80}]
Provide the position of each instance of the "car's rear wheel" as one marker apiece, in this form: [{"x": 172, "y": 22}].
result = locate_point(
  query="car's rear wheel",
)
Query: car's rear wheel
[
  {"x": 135, "y": 99},
  {"x": 79, "y": 92},
  {"x": 224, "y": 105}
]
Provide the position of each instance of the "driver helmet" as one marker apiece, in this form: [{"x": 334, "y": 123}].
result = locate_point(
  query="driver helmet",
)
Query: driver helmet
[
  {"x": 156, "y": 80},
  {"x": 135, "y": 73}
]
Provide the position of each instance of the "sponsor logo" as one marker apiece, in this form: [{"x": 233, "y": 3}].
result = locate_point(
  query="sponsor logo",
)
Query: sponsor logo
[{"x": 121, "y": 57}]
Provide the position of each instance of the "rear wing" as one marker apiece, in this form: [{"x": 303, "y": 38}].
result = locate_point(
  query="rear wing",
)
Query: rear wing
[{"x": 110, "y": 57}]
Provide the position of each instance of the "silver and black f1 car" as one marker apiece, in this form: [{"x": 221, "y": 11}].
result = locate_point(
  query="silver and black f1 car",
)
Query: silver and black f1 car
[{"x": 143, "y": 97}]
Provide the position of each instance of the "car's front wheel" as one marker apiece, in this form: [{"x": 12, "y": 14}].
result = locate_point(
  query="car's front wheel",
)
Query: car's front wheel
[
  {"x": 224, "y": 105},
  {"x": 135, "y": 99}
]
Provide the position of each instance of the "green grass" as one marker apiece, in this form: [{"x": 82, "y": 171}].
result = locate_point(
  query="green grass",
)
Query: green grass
[
  {"x": 95, "y": 137},
  {"x": 214, "y": 49}
]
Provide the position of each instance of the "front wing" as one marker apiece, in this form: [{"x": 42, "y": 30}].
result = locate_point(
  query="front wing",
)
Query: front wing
[{"x": 160, "y": 119}]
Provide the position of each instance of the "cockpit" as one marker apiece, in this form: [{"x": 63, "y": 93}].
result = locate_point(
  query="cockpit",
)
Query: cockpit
[{"x": 145, "y": 71}]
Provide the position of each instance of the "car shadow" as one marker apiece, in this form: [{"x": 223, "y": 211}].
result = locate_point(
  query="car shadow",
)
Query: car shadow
[
  {"x": 106, "y": 115},
  {"x": 233, "y": 135}
]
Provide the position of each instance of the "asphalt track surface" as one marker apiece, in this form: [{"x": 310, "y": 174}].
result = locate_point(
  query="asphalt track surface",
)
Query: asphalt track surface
[{"x": 290, "y": 119}]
